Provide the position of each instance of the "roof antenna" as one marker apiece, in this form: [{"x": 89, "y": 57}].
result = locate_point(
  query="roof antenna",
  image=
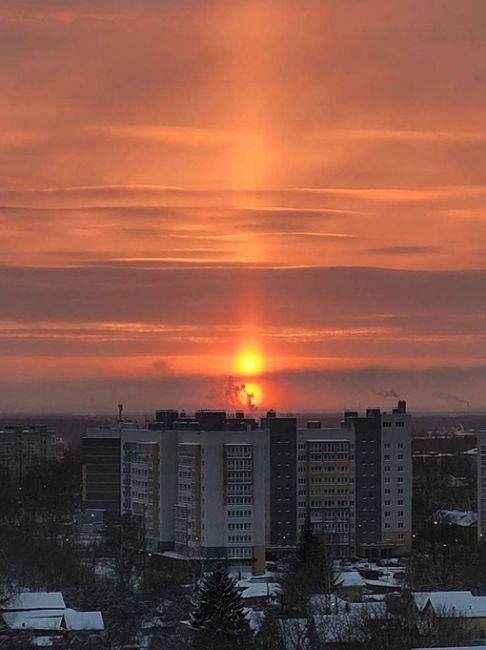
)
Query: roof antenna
[{"x": 120, "y": 412}]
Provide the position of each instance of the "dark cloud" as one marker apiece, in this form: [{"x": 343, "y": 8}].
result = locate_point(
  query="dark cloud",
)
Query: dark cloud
[
  {"x": 402, "y": 250},
  {"x": 327, "y": 390}
]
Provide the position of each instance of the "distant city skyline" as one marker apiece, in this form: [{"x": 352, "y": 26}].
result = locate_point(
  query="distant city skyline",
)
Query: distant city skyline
[{"x": 184, "y": 182}]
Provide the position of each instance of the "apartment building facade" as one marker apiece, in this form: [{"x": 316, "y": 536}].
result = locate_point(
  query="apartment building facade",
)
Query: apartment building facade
[
  {"x": 355, "y": 482},
  {"x": 148, "y": 461},
  {"x": 25, "y": 447},
  {"x": 235, "y": 488},
  {"x": 101, "y": 477}
]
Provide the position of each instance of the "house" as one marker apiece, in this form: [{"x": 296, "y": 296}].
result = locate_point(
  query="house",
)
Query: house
[
  {"x": 46, "y": 615},
  {"x": 459, "y": 605},
  {"x": 350, "y": 586},
  {"x": 256, "y": 594}
]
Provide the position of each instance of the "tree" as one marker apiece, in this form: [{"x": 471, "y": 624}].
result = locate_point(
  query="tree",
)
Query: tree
[
  {"x": 218, "y": 621},
  {"x": 125, "y": 545},
  {"x": 270, "y": 635},
  {"x": 311, "y": 572}
]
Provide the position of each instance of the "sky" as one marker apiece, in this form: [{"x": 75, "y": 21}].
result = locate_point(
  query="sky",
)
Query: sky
[{"x": 185, "y": 181}]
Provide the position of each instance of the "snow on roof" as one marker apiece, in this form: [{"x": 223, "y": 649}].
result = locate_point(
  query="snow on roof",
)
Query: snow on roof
[
  {"x": 83, "y": 620},
  {"x": 320, "y": 602},
  {"x": 47, "y": 611},
  {"x": 350, "y": 579},
  {"x": 44, "y": 641},
  {"x": 34, "y": 619},
  {"x": 332, "y": 627},
  {"x": 382, "y": 583},
  {"x": 452, "y": 603},
  {"x": 421, "y": 599},
  {"x": 258, "y": 589},
  {"x": 457, "y": 517},
  {"x": 254, "y": 618},
  {"x": 35, "y": 600}
]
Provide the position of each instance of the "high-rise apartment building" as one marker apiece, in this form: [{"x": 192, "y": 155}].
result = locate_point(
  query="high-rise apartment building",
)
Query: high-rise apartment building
[
  {"x": 326, "y": 484},
  {"x": 355, "y": 482},
  {"x": 149, "y": 482},
  {"x": 232, "y": 487},
  {"x": 100, "y": 449},
  {"x": 22, "y": 448},
  {"x": 199, "y": 485}
]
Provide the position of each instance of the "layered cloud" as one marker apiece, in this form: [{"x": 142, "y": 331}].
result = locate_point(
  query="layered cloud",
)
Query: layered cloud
[{"x": 178, "y": 179}]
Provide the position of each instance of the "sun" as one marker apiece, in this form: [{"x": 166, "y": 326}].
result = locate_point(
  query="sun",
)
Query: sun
[{"x": 249, "y": 363}]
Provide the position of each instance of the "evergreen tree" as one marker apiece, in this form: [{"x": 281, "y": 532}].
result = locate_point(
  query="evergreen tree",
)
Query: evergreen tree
[
  {"x": 310, "y": 572},
  {"x": 217, "y": 620},
  {"x": 270, "y": 634}
]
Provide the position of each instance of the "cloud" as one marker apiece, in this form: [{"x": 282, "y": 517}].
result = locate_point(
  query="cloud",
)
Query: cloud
[
  {"x": 244, "y": 164},
  {"x": 403, "y": 250},
  {"x": 170, "y": 134},
  {"x": 331, "y": 390}
]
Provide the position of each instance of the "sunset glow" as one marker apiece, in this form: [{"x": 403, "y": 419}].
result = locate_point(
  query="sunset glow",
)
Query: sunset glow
[{"x": 288, "y": 193}]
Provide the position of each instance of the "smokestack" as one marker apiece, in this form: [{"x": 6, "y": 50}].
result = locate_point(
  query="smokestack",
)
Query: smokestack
[{"x": 120, "y": 412}]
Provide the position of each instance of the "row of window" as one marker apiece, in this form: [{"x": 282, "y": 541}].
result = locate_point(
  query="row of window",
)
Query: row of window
[
  {"x": 241, "y": 475},
  {"x": 238, "y": 452},
  {"x": 317, "y": 503},
  {"x": 239, "y": 513},
  {"x": 244, "y": 552},
  {"x": 329, "y": 479},
  {"x": 236, "y": 489},
  {"x": 239, "y": 526},
  {"x": 237, "y": 463},
  {"x": 329, "y": 456},
  {"x": 238, "y": 539}
]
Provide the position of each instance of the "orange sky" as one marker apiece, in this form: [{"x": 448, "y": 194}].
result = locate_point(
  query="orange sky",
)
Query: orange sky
[{"x": 180, "y": 180}]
